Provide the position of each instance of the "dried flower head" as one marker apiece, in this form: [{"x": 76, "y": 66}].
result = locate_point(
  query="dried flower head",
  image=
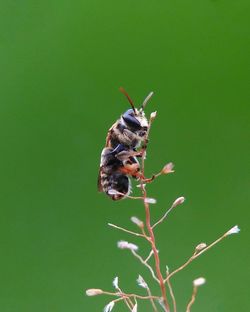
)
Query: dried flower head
[
  {"x": 199, "y": 281},
  {"x": 233, "y": 230},
  {"x": 137, "y": 221},
  {"x": 168, "y": 168},
  {"x": 94, "y": 292},
  {"x": 126, "y": 245}
]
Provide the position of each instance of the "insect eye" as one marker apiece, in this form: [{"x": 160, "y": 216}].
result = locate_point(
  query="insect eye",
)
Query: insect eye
[{"x": 131, "y": 121}]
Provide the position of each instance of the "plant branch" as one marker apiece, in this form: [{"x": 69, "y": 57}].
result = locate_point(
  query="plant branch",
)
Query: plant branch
[
  {"x": 171, "y": 293},
  {"x": 150, "y": 229},
  {"x": 118, "y": 294},
  {"x": 196, "y": 255},
  {"x": 146, "y": 264},
  {"x": 191, "y": 302},
  {"x": 163, "y": 217},
  {"x": 125, "y": 230}
]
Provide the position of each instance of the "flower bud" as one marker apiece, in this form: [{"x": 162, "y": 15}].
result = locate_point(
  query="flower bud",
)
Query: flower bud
[
  {"x": 153, "y": 115},
  {"x": 137, "y": 221},
  {"x": 126, "y": 245},
  {"x": 94, "y": 292},
  {"x": 199, "y": 281},
  {"x": 178, "y": 201},
  {"x": 168, "y": 168},
  {"x": 200, "y": 247},
  {"x": 150, "y": 200}
]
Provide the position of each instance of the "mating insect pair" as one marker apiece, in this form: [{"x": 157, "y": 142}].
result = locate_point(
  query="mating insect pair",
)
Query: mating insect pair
[{"x": 119, "y": 157}]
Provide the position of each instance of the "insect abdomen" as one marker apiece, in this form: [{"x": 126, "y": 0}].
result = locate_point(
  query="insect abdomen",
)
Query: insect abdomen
[{"x": 117, "y": 182}]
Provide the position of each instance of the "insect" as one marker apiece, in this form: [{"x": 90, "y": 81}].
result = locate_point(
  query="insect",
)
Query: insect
[
  {"x": 119, "y": 157},
  {"x": 131, "y": 128},
  {"x": 115, "y": 168}
]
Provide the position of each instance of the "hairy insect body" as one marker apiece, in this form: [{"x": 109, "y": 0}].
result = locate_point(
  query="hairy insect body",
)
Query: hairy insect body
[
  {"x": 114, "y": 171},
  {"x": 130, "y": 130},
  {"x": 119, "y": 157}
]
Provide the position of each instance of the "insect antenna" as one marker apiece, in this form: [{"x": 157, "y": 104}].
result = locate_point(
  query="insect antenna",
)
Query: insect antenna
[
  {"x": 128, "y": 97},
  {"x": 146, "y": 100}
]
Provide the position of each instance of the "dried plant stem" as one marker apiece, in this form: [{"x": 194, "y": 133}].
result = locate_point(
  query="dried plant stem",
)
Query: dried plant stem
[
  {"x": 156, "y": 255},
  {"x": 146, "y": 230},
  {"x": 172, "y": 294},
  {"x": 195, "y": 289},
  {"x": 119, "y": 299},
  {"x": 163, "y": 217},
  {"x": 124, "y": 295},
  {"x": 125, "y": 230},
  {"x": 194, "y": 256},
  {"x": 179, "y": 269},
  {"x": 146, "y": 264},
  {"x": 154, "y": 176},
  {"x": 152, "y": 301},
  {"x": 149, "y": 256},
  {"x": 127, "y": 301},
  {"x": 150, "y": 229},
  {"x": 211, "y": 245}
]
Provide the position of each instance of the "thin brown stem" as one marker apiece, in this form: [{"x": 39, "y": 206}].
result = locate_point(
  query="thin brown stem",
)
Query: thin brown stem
[
  {"x": 127, "y": 301},
  {"x": 152, "y": 300},
  {"x": 163, "y": 217},
  {"x": 172, "y": 294},
  {"x": 118, "y": 294},
  {"x": 125, "y": 230},
  {"x": 124, "y": 300},
  {"x": 150, "y": 230},
  {"x": 146, "y": 264},
  {"x": 149, "y": 180},
  {"x": 179, "y": 269},
  {"x": 156, "y": 255},
  {"x": 149, "y": 256},
  {"x": 194, "y": 256},
  {"x": 191, "y": 302}
]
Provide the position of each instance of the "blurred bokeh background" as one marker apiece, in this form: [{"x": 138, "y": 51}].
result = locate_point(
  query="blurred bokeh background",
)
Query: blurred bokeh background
[{"x": 62, "y": 63}]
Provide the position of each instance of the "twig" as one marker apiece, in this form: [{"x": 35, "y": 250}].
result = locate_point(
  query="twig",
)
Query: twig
[
  {"x": 196, "y": 255},
  {"x": 152, "y": 300},
  {"x": 179, "y": 269},
  {"x": 127, "y": 301},
  {"x": 171, "y": 293},
  {"x": 125, "y": 230},
  {"x": 149, "y": 256},
  {"x": 191, "y": 302},
  {"x": 118, "y": 294},
  {"x": 156, "y": 256},
  {"x": 163, "y": 217},
  {"x": 150, "y": 230},
  {"x": 146, "y": 264}
]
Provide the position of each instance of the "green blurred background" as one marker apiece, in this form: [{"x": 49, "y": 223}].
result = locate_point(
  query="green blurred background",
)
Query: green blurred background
[{"x": 62, "y": 63}]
